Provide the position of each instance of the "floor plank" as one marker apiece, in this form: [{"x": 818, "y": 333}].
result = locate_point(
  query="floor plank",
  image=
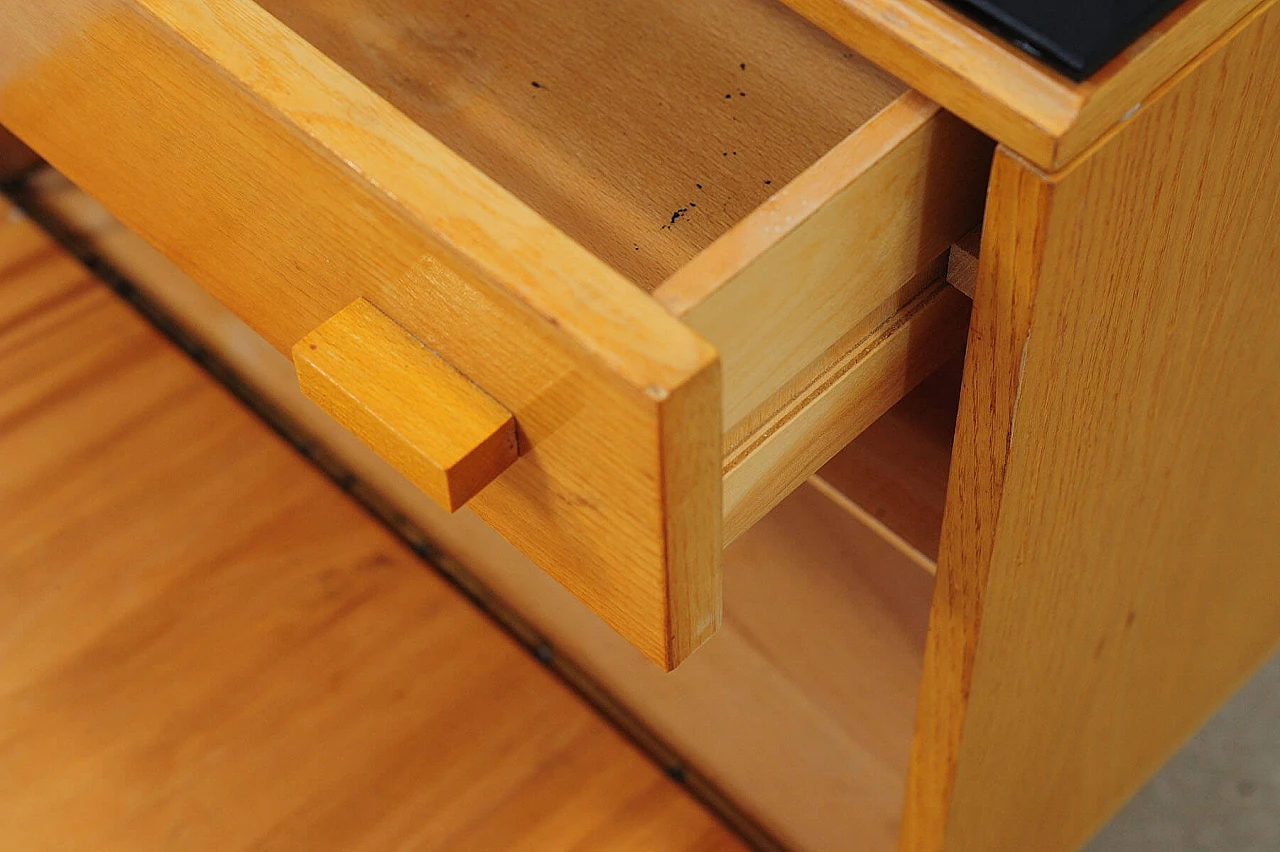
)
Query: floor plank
[
  {"x": 794, "y": 721},
  {"x": 205, "y": 645}
]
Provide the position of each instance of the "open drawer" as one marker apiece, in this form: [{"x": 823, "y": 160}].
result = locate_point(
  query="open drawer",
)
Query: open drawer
[{"x": 684, "y": 252}]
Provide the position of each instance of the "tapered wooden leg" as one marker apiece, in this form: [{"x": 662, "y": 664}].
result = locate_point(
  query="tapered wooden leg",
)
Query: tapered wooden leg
[
  {"x": 1110, "y": 566},
  {"x": 15, "y": 158}
]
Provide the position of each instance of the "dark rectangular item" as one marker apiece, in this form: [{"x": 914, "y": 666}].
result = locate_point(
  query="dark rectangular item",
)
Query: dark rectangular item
[{"x": 1078, "y": 37}]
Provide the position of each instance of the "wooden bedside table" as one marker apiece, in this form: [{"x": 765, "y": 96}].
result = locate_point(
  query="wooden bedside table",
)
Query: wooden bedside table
[{"x": 688, "y": 263}]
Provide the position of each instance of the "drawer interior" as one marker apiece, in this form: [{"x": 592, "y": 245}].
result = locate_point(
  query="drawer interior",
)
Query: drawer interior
[
  {"x": 787, "y": 200},
  {"x": 644, "y": 129}
]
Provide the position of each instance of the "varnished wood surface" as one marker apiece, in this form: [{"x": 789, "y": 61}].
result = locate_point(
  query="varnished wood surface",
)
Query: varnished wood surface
[
  {"x": 851, "y": 236},
  {"x": 288, "y": 189},
  {"x": 894, "y": 474},
  {"x": 1108, "y": 567},
  {"x": 297, "y": 190},
  {"x": 800, "y": 709},
  {"x": 206, "y": 645},
  {"x": 856, "y": 385},
  {"x": 417, "y": 412},
  {"x": 1040, "y": 114},
  {"x": 962, "y": 262},
  {"x": 612, "y": 121}
]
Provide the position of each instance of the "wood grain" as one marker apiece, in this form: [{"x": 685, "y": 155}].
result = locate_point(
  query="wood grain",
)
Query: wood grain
[
  {"x": 859, "y": 381},
  {"x": 1107, "y": 570},
  {"x": 799, "y": 709},
  {"x": 612, "y": 121},
  {"x": 962, "y": 262},
  {"x": 289, "y": 189},
  {"x": 448, "y": 436},
  {"x": 1043, "y": 116},
  {"x": 206, "y": 645},
  {"x": 844, "y": 238},
  {"x": 894, "y": 474},
  {"x": 309, "y": 191}
]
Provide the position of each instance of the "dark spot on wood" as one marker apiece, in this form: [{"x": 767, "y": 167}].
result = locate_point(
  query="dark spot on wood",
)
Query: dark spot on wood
[
  {"x": 698, "y": 185},
  {"x": 536, "y": 84},
  {"x": 1128, "y": 619},
  {"x": 766, "y": 183},
  {"x": 742, "y": 65},
  {"x": 674, "y": 217},
  {"x": 313, "y": 346},
  {"x": 726, "y": 97},
  {"x": 693, "y": 204},
  {"x": 742, "y": 94}
]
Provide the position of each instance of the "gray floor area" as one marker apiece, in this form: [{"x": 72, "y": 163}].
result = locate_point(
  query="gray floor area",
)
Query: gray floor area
[{"x": 1221, "y": 793}]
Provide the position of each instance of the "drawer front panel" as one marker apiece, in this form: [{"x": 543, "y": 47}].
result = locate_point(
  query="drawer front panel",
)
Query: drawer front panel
[
  {"x": 255, "y": 164},
  {"x": 292, "y": 192}
]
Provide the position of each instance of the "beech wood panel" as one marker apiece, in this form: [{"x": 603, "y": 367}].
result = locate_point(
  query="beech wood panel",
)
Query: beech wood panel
[
  {"x": 894, "y": 474},
  {"x": 859, "y": 381},
  {"x": 309, "y": 191},
  {"x": 1035, "y": 111},
  {"x": 800, "y": 709},
  {"x": 608, "y": 119},
  {"x": 1107, "y": 574},
  {"x": 962, "y": 262},
  {"x": 206, "y": 645},
  {"x": 843, "y": 239},
  {"x": 447, "y": 435}
]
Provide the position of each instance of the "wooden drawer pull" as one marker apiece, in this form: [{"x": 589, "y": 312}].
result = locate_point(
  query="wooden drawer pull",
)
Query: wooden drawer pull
[{"x": 422, "y": 416}]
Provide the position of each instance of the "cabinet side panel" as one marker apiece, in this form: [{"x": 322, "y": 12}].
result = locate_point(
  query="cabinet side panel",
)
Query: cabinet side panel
[{"x": 1108, "y": 567}]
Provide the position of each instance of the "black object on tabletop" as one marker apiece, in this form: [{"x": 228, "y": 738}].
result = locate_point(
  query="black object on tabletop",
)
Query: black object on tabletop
[{"x": 1077, "y": 37}]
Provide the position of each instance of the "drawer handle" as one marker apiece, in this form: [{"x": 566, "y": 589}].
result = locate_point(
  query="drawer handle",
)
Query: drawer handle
[{"x": 408, "y": 405}]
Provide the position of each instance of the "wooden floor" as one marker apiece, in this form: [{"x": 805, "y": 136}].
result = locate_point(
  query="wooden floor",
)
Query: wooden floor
[{"x": 205, "y": 645}]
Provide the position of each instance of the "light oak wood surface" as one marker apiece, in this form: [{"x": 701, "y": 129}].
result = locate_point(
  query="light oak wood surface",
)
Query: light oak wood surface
[
  {"x": 860, "y": 381},
  {"x": 800, "y": 710},
  {"x": 628, "y": 122},
  {"x": 1043, "y": 116},
  {"x": 894, "y": 474},
  {"x": 1107, "y": 574},
  {"x": 844, "y": 241},
  {"x": 290, "y": 188},
  {"x": 309, "y": 192},
  {"x": 962, "y": 262},
  {"x": 448, "y": 436},
  {"x": 206, "y": 645}
]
